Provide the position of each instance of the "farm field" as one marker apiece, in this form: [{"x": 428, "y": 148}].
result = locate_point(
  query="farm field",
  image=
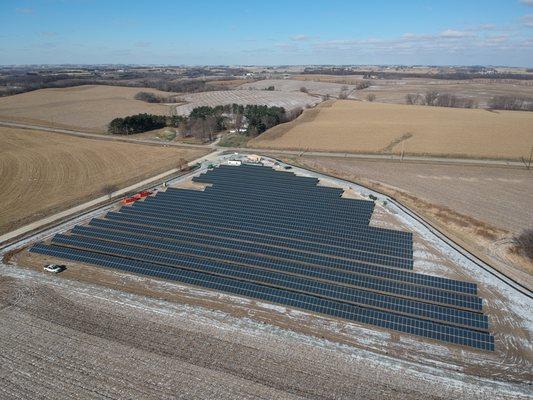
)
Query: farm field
[
  {"x": 362, "y": 127},
  {"x": 287, "y": 100},
  {"x": 42, "y": 172},
  {"x": 89, "y": 107},
  {"x": 481, "y": 91},
  {"x": 292, "y": 85},
  {"x": 338, "y": 79},
  {"x": 395, "y": 90},
  {"x": 203, "y": 344}
]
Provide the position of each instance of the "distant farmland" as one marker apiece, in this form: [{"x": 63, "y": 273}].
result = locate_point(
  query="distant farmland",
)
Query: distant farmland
[
  {"x": 92, "y": 107},
  {"x": 43, "y": 172},
  {"x": 288, "y": 100},
  {"x": 293, "y": 85},
  {"x": 89, "y": 107},
  {"x": 362, "y": 127}
]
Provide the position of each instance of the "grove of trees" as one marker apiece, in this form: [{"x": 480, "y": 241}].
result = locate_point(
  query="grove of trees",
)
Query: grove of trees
[
  {"x": 154, "y": 98},
  {"x": 515, "y": 103},
  {"x": 204, "y": 122}
]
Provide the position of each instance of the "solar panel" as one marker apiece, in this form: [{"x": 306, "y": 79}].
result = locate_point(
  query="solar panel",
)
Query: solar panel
[{"x": 279, "y": 237}]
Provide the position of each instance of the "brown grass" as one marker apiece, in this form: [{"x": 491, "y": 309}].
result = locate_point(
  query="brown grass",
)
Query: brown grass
[
  {"x": 89, "y": 107},
  {"x": 362, "y": 127},
  {"x": 42, "y": 173}
]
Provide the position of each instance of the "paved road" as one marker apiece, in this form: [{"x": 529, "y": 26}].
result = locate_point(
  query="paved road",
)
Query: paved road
[{"x": 381, "y": 157}]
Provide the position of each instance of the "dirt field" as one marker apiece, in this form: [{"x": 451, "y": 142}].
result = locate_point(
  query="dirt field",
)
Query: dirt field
[
  {"x": 362, "y": 127},
  {"x": 42, "y": 173},
  {"x": 484, "y": 207},
  {"x": 89, "y": 108}
]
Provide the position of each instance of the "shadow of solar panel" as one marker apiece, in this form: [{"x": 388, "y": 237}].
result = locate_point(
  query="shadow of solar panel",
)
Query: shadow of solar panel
[{"x": 279, "y": 237}]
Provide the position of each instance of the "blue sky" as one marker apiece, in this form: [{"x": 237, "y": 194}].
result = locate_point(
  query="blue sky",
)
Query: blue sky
[{"x": 196, "y": 32}]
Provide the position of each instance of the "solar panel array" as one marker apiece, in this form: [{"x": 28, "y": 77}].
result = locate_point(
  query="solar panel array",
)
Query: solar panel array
[{"x": 281, "y": 238}]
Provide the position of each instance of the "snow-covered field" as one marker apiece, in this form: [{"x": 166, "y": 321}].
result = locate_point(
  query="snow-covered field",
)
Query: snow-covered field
[
  {"x": 263, "y": 97},
  {"x": 293, "y": 85}
]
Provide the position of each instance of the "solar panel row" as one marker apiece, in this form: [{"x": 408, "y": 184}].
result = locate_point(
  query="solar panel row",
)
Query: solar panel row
[
  {"x": 237, "y": 208},
  {"x": 461, "y": 336},
  {"x": 359, "y": 254},
  {"x": 212, "y": 199},
  {"x": 278, "y": 279},
  {"x": 252, "y": 229},
  {"x": 304, "y": 230},
  {"x": 197, "y": 248},
  {"x": 279, "y": 237},
  {"x": 245, "y": 223},
  {"x": 190, "y": 232},
  {"x": 262, "y": 194}
]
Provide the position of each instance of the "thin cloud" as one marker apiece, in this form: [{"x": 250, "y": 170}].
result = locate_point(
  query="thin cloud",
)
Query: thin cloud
[
  {"x": 528, "y": 3},
  {"x": 446, "y": 42},
  {"x": 452, "y": 33},
  {"x": 527, "y": 20},
  {"x": 48, "y": 34},
  {"x": 142, "y": 44},
  {"x": 25, "y": 10},
  {"x": 300, "y": 38}
]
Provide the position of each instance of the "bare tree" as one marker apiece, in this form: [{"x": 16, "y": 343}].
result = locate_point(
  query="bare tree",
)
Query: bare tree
[
  {"x": 446, "y": 100},
  {"x": 371, "y": 97},
  {"x": 412, "y": 98},
  {"x": 238, "y": 118},
  {"x": 344, "y": 92},
  {"x": 527, "y": 161},
  {"x": 431, "y": 97},
  {"x": 197, "y": 129},
  {"x": 109, "y": 189},
  {"x": 524, "y": 243},
  {"x": 210, "y": 126},
  {"x": 292, "y": 114},
  {"x": 182, "y": 164},
  {"x": 184, "y": 128},
  {"x": 362, "y": 85}
]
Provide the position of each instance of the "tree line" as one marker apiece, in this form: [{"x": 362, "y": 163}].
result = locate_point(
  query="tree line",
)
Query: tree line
[
  {"x": 204, "y": 122},
  {"x": 458, "y": 75},
  {"x": 155, "y": 98},
  {"x": 514, "y": 103},
  {"x": 434, "y": 98}
]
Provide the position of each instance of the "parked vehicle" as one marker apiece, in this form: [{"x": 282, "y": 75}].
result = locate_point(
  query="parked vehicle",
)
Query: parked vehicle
[{"x": 54, "y": 268}]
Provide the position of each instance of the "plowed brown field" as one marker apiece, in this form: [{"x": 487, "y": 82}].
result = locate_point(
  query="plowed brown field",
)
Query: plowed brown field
[
  {"x": 89, "y": 107},
  {"x": 43, "y": 172},
  {"x": 362, "y": 127}
]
